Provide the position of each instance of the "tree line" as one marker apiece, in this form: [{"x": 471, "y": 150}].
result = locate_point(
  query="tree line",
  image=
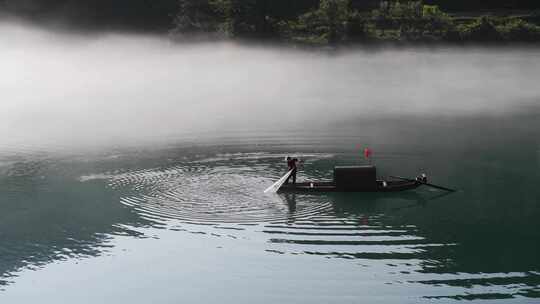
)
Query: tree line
[
  {"x": 299, "y": 21},
  {"x": 341, "y": 21}
]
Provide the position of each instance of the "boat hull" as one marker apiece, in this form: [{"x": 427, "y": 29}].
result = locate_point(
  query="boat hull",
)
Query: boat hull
[{"x": 322, "y": 187}]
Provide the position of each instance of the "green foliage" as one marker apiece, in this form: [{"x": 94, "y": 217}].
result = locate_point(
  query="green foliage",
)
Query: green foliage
[
  {"x": 496, "y": 29},
  {"x": 195, "y": 17},
  {"x": 437, "y": 23},
  {"x": 398, "y": 10},
  {"x": 335, "y": 14},
  {"x": 229, "y": 18},
  {"x": 516, "y": 29},
  {"x": 326, "y": 24},
  {"x": 409, "y": 20},
  {"x": 334, "y": 22},
  {"x": 483, "y": 29},
  {"x": 437, "y": 19},
  {"x": 224, "y": 15},
  {"x": 243, "y": 18}
]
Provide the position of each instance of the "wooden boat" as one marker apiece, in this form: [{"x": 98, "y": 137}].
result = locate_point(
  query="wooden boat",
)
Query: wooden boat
[
  {"x": 356, "y": 179},
  {"x": 382, "y": 186}
]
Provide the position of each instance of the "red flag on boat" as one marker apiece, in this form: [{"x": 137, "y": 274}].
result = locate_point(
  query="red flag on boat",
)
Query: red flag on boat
[{"x": 367, "y": 152}]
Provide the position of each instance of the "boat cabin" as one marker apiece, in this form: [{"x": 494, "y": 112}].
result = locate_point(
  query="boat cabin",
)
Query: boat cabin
[{"x": 355, "y": 178}]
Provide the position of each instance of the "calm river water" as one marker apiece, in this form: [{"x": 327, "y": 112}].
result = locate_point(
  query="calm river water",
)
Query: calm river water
[
  {"x": 190, "y": 221},
  {"x": 102, "y": 203}
]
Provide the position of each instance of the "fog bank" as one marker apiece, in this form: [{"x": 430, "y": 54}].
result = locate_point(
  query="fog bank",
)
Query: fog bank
[{"x": 77, "y": 90}]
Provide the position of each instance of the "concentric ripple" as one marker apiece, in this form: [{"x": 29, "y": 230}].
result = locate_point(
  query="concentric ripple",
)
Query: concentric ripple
[{"x": 227, "y": 188}]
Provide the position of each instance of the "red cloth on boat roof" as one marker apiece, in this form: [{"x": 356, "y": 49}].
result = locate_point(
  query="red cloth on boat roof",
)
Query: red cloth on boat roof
[{"x": 367, "y": 152}]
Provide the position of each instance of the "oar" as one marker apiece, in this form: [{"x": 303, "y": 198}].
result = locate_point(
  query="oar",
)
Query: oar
[
  {"x": 424, "y": 183},
  {"x": 275, "y": 187}
]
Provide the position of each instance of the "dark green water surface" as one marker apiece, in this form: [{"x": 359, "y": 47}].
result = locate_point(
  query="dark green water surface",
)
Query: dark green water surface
[{"x": 188, "y": 221}]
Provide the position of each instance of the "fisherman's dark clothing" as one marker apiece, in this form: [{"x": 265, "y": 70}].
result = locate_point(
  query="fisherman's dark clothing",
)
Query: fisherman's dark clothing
[{"x": 292, "y": 166}]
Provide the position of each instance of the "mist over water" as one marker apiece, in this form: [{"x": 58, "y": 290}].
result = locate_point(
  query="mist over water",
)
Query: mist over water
[{"x": 68, "y": 90}]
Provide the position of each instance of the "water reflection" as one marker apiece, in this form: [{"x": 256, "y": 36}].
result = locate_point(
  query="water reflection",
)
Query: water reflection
[
  {"x": 49, "y": 216},
  {"x": 355, "y": 227},
  {"x": 369, "y": 229}
]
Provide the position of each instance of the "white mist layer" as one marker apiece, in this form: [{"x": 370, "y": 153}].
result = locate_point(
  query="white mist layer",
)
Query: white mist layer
[{"x": 76, "y": 90}]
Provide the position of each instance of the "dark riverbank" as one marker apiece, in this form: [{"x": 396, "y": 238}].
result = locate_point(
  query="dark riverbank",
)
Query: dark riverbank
[{"x": 313, "y": 22}]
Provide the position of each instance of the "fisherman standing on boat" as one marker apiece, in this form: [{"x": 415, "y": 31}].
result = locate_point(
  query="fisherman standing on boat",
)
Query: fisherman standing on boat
[{"x": 291, "y": 164}]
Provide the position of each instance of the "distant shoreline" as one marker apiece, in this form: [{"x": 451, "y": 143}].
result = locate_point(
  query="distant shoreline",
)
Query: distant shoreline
[{"x": 323, "y": 23}]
